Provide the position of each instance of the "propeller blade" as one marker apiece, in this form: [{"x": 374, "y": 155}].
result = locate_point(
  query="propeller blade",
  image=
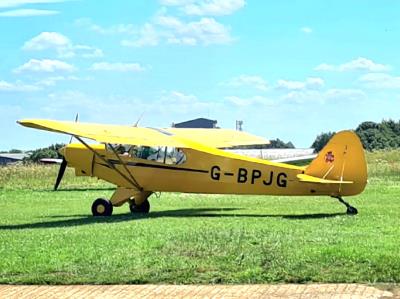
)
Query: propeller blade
[{"x": 60, "y": 175}]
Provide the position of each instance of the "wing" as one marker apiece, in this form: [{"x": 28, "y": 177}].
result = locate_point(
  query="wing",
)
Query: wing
[
  {"x": 107, "y": 133},
  {"x": 219, "y": 138},
  {"x": 183, "y": 138}
]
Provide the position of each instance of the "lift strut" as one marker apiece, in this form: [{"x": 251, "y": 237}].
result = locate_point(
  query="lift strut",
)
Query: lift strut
[{"x": 129, "y": 179}]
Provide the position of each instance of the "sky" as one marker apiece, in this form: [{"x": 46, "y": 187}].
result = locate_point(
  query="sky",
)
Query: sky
[{"x": 287, "y": 69}]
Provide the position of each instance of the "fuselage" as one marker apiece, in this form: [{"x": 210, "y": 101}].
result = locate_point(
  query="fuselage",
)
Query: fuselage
[{"x": 207, "y": 171}]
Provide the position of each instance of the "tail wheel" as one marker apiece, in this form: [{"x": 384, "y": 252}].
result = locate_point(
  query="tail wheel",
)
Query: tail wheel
[
  {"x": 102, "y": 207},
  {"x": 143, "y": 208}
]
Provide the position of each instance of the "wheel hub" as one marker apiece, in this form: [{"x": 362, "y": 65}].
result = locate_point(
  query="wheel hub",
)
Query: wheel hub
[{"x": 100, "y": 209}]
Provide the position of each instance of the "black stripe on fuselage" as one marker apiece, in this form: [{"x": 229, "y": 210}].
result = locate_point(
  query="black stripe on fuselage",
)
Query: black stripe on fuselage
[{"x": 140, "y": 164}]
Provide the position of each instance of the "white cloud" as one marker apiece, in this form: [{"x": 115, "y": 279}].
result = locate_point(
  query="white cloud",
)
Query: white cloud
[
  {"x": 51, "y": 81},
  {"x": 306, "y": 30},
  {"x": 359, "y": 64},
  {"x": 147, "y": 36},
  {"x": 115, "y": 29},
  {"x": 206, "y": 31},
  {"x": 177, "y": 102},
  {"x": 61, "y": 44},
  {"x": 249, "y": 101},
  {"x": 206, "y": 7},
  {"x": 28, "y": 13},
  {"x": 253, "y": 81},
  {"x": 176, "y": 2},
  {"x": 47, "y": 40},
  {"x": 346, "y": 94},
  {"x": 117, "y": 67},
  {"x": 335, "y": 94},
  {"x": 172, "y": 30},
  {"x": 15, "y": 3},
  {"x": 17, "y": 87},
  {"x": 45, "y": 65},
  {"x": 84, "y": 51},
  {"x": 309, "y": 83},
  {"x": 380, "y": 81},
  {"x": 213, "y": 7}
]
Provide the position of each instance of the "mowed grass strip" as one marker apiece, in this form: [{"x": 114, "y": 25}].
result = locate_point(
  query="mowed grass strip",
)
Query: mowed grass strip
[{"x": 50, "y": 237}]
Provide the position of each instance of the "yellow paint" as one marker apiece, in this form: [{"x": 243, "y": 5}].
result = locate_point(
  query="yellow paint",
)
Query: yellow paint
[
  {"x": 173, "y": 137},
  {"x": 339, "y": 169}
]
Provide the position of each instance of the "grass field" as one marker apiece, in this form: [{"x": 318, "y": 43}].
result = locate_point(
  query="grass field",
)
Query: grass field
[{"x": 51, "y": 237}]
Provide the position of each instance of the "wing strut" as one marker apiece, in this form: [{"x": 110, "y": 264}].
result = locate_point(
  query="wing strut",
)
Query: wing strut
[
  {"x": 125, "y": 167},
  {"x": 112, "y": 166}
]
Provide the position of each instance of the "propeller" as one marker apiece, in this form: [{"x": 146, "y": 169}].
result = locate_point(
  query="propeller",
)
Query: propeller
[
  {"x": 64, "y": 162},
  {"x": 60, "y": 175}
]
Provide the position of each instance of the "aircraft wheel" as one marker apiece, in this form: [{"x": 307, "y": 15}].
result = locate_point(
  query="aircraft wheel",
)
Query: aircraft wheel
[
  {"x": 144, "y": 207},
  {"x": 102, "y": 207},
  {"x": 351, "y": 210}
]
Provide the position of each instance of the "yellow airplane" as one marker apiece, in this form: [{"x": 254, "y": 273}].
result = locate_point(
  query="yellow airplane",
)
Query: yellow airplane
[{"x": 141, "y": 161}]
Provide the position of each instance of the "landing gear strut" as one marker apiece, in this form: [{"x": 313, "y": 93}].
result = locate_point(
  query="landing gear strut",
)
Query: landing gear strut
[{"x": 350, "y": 209}]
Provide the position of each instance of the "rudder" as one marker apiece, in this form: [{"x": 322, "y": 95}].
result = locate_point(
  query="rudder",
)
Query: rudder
[{"x": 342, "y": 159}]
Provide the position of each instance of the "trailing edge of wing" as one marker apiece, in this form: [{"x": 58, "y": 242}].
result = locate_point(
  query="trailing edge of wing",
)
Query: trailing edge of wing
[{"x": 312, "y": 179}]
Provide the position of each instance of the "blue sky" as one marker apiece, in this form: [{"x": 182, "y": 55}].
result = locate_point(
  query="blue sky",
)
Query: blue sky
[{"x": 288, "y": 69}]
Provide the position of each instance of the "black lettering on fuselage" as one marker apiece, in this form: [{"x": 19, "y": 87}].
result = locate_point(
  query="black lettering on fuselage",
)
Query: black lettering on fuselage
[
  {"x": 256, "y": 174},
  {"x": 242, "y": 175},
  {"x": 281, "y": 180},
  {"x": 269, "y": 182},
  {"x": 215, "y": 173}
]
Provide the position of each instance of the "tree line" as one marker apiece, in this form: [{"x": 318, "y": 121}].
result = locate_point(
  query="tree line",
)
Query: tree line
[{"x": 373, "y": 136}]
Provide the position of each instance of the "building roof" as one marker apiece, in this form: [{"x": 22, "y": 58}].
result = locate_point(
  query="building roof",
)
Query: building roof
[
  {"x": 197, "y": 123},
  {"x": 14, "y": 156}
]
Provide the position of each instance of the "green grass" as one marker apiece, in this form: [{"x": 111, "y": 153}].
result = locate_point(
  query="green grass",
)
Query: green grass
[{"x": 51, "y": 237}]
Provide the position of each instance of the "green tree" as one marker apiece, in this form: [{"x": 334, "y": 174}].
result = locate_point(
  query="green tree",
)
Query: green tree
[
  {"x": 47, "y": 152},
  {"x": 321, "y": 140},
  {"x": 277, "y": 143},
  {"x": 382, "y": 135}
]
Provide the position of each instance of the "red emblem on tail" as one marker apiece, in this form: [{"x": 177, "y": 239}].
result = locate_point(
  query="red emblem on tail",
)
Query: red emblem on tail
[{"x": 329, "y": 157}]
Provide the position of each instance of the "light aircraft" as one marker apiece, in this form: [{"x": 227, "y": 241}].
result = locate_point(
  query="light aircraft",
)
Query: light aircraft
[{"x": 141, "y": 161}]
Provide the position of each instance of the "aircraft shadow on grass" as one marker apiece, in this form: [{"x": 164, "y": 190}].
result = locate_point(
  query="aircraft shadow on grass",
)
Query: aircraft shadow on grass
[{"x": 78, "y": 220}]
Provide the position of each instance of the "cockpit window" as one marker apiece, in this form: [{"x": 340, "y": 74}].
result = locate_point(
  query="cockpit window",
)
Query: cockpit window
[{"x": 166, "y": 155}]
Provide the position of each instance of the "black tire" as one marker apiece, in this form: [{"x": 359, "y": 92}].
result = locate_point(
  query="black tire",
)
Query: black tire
[
  {"x": 102, "y": 207},
  {"x": 143, "y": 208}
]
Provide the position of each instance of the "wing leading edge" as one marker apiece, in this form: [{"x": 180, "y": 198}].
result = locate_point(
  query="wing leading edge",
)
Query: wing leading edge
[{"x": 182, "y": 138}]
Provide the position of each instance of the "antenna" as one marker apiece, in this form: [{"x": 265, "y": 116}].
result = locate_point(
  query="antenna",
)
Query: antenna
[{"x": 137, "y": 122}]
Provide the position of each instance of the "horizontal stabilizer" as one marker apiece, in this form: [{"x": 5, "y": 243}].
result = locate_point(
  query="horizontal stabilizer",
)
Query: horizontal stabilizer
[{"x": 312, "y": 179}]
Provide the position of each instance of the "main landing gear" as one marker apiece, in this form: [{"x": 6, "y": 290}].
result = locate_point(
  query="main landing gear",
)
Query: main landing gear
[
  {"x": 350, "y": 209},
  {"x": 104, "y": 207}
]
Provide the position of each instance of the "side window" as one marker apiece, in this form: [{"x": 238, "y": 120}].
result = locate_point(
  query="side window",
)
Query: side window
[{"x": 165, "y": 155}]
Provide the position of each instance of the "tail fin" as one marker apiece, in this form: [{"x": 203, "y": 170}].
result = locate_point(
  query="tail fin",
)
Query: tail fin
[{"x": 342, "y": 159}]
